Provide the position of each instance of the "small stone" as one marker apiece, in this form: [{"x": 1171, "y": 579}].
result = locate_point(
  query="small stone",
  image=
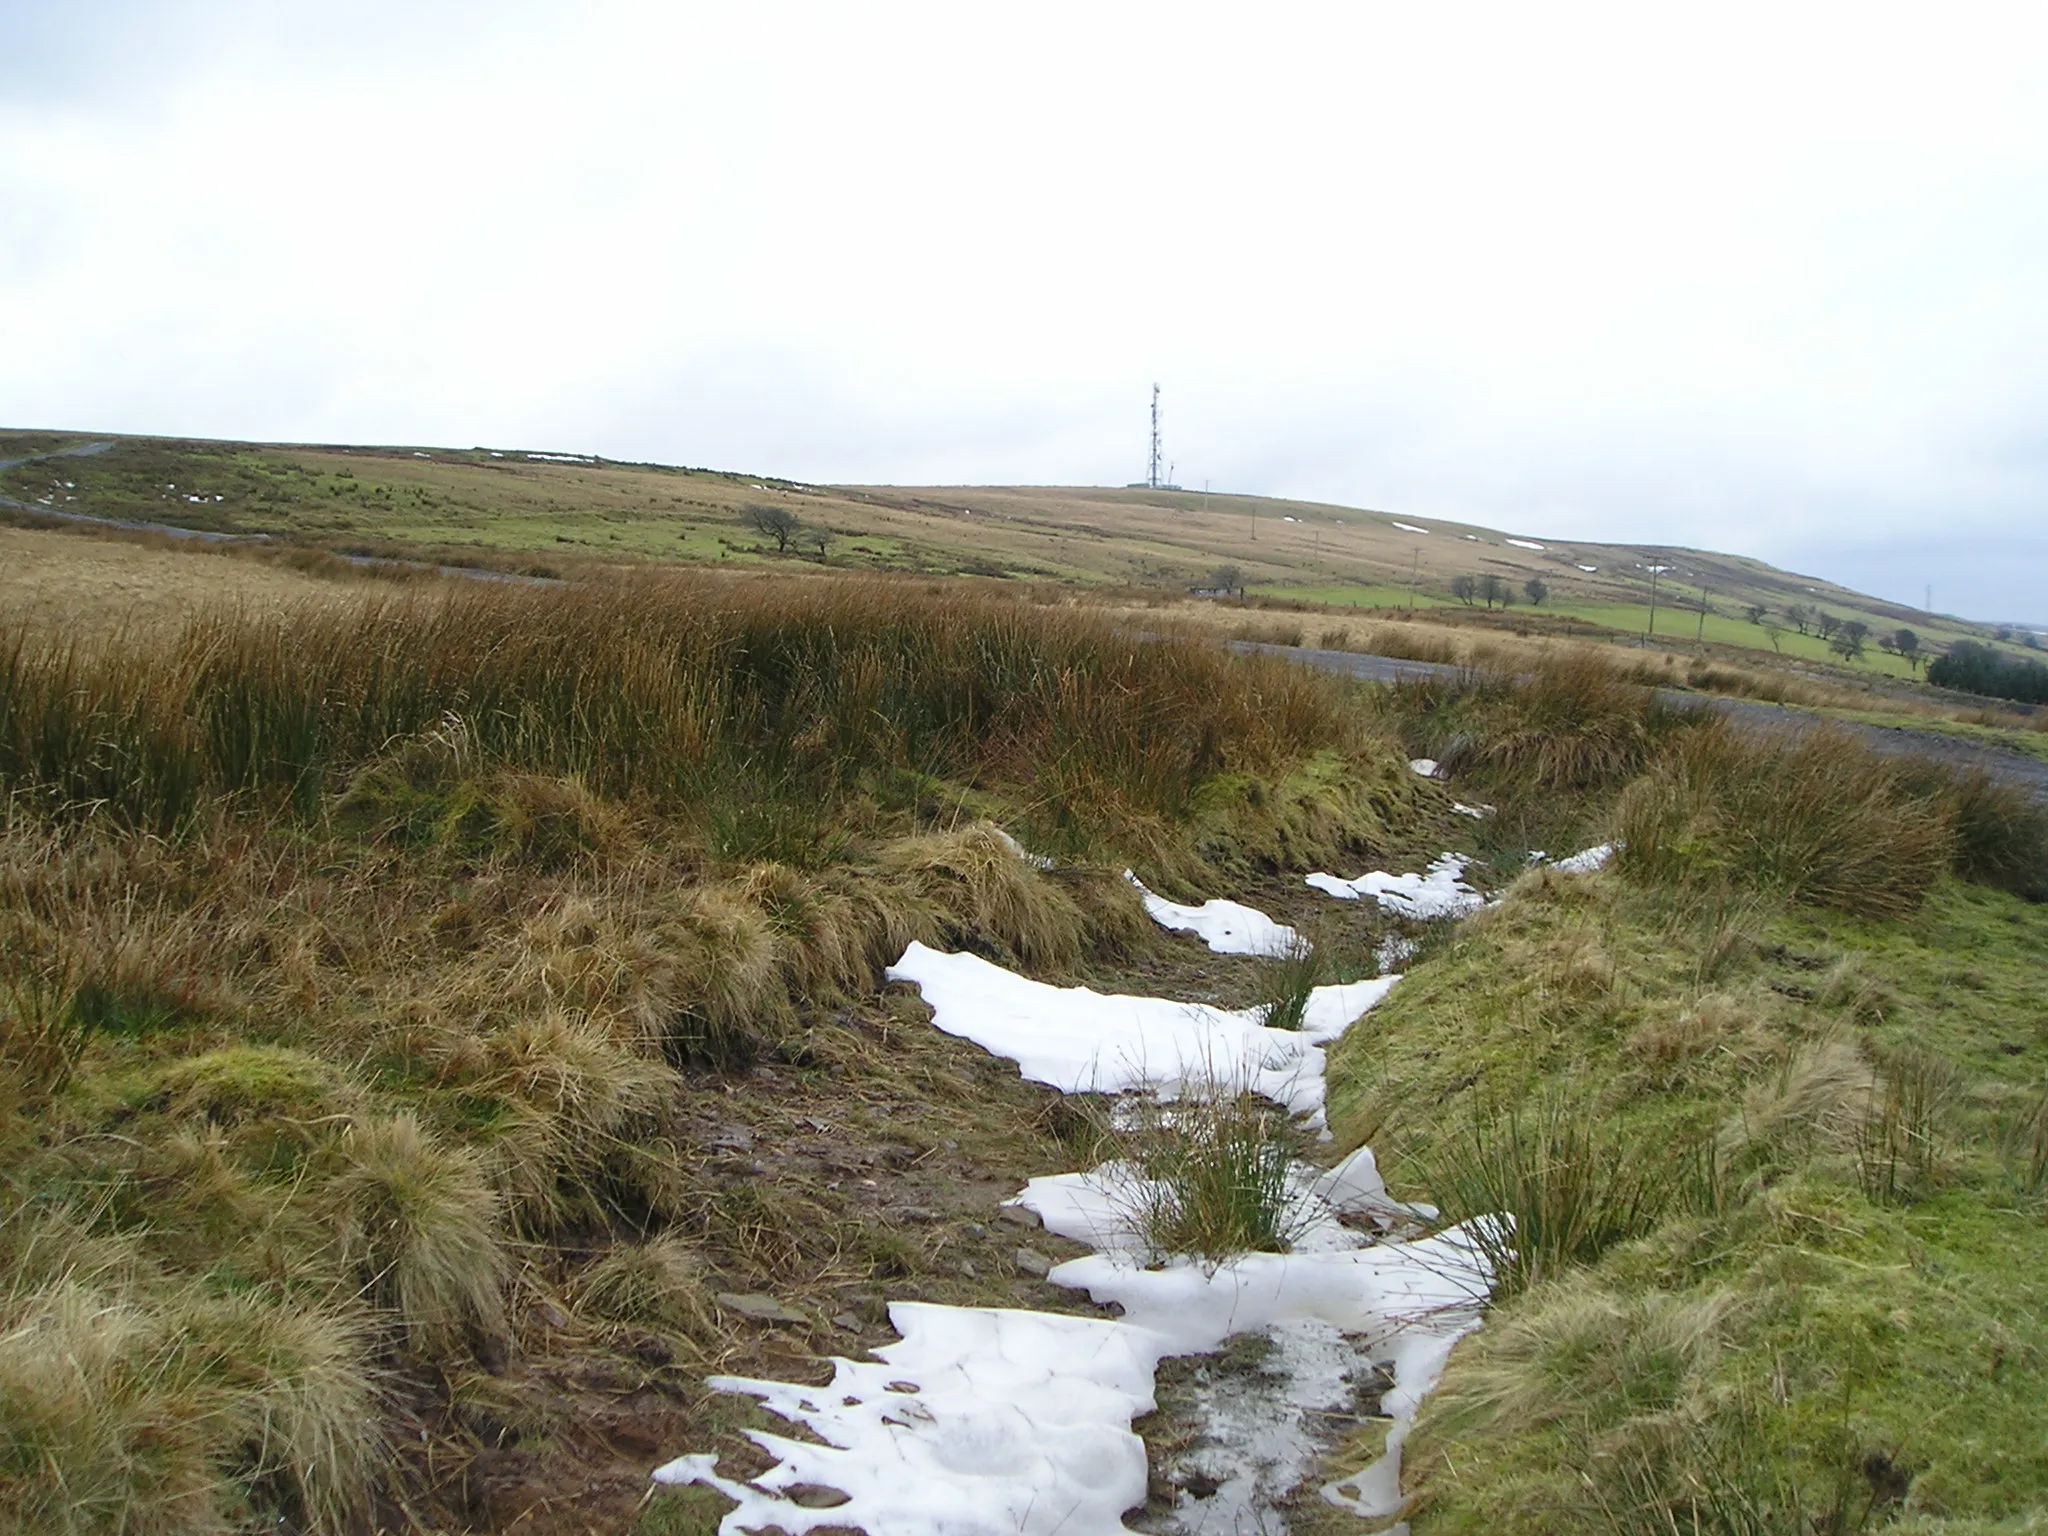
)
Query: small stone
[
  {"x": 759, "y": 1309},
  {"x": 968, "y": 1271},
  {"x": 1032, "y": 1264},
  {"x": 974, "y": 1232},
  {"x": 1018, "y": 1216},
  {"x": 846, "y": 1322}
]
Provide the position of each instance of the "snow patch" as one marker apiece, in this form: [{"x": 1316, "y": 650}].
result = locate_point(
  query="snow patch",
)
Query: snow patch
[
  {"x": 1589, "y": 569},
  {"x": 981, "y": 1422},
  {"x": 1035, "y": 860},
  {"x": 1440, "y": 891},
  {"x": 1082, "y": 1041},
  {"x": 1525, "y": 543},
  {"x": 1410, "y": 528},
  {"x": 1476, "y": 812},
  {"x": 1426, "y": 766},
  {"x": 1586, "y": 862},
  {"x": 1227, "y": 927}
]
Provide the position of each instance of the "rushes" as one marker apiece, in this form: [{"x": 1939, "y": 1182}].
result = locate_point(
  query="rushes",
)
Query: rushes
[
  {"x": 689, "y": 687},
  {"x": 1285, "y": 983},
  {"x": 1822, "y": 819},
  {"x": 1568, "y": 1189},
  {"x": 1902, "y": 1140},
  {"x": 1219, "y": 1176}
]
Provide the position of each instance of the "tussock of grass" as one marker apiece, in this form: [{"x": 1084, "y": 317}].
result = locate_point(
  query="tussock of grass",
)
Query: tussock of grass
[
  {"x": 1218, "y": 1165},
  {"x": 1564, "y": 1183},
  {"x": 1821, "y": 818},
  {"x": 127, "y": 1408},
  {"x": 657, "y": 1284},
  {"x": 990, "y": 895},
  {"x": 420, "y": 1224}
]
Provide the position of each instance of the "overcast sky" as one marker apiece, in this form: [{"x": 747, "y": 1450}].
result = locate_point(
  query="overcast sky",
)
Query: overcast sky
[{"x": 1769, "y": 279}]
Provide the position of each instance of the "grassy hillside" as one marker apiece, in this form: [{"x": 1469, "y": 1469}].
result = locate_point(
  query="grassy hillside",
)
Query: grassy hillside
[
  {"x": 546, "y": 511},
  {"x": 442, "y": 1023}
]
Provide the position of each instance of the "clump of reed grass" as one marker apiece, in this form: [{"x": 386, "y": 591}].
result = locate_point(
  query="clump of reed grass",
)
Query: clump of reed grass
[
  {"x": 685, "y": 690},
  {"x": 1901, "y": 1141},
  {"x": 1219, "y": 1175},
  {"x": 1545, "y": 1188},
  {"x": 1284, "y": 984},
  {"x": 1566, "y": 722},
  {"x": 1820, "y": 818}
]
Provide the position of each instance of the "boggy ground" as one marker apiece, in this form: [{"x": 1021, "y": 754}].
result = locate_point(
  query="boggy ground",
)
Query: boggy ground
[{"x": 439, "y": 1034}]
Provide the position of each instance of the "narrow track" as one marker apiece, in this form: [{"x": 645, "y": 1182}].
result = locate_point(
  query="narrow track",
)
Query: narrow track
[{"x": 2015, "y": 768}]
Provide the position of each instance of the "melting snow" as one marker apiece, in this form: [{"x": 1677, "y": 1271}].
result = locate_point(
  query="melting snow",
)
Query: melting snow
[
  {"x": 1426, "y": 766},
  {"x": 1035, "y": 860},
  {"x": 1588, "y": 861},
  {"x": 1476, "y": 812},
  {"x": 1082, "y": 1041},
  {"x": 1410, "y": 528},
  {"x": 981, "y": 1422},
  {"x": 1227, "y": 927},
  {"x": 1525, "y": 543},
  {"x": 992, "y": 1422},
  {"x": 1589, "y": 569},
  {"x": 1440, "y": 891}
]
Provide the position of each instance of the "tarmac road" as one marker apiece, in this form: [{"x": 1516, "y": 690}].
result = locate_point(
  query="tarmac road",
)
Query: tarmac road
[{"x": 2016, "y": 768}]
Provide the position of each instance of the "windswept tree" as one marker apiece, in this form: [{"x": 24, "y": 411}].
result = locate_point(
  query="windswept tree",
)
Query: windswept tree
[
  {"x": 1826, "y": 623},
  {"x": 1756, "y": 613},
  {"x": 1493, "y": 589},
  {"x": 774, "y": 522},
  {"x": 1798, "y": 615},
  {"x": 1906, "y": 644},
  {"x": 1537, "y": 591},
  {"x": 1464, "y": 589},
  {"x": 1227, "y": 578},
  {"x": 1847, "y": 641}
]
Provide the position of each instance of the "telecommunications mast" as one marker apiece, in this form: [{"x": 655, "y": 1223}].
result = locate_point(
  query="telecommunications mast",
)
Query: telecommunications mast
[{"x": 1152, "y": 480}]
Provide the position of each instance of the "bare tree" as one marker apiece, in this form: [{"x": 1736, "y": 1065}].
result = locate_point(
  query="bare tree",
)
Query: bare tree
[
  {"x": 1775, "y": 632},
  {"x": 1826, "y": 623},
  {"x": 1227, "y": 578},
  {"x": 777, "y": 523},
  {"x": 1494, "y": 590},
  {"x": 1464, "y": 589},
  {"x": 1537, "y": 591},
  {"x": 1799, "y": 616},
  {"x": 820, "y": 539},
  {"x": 1756, "y": 613}
]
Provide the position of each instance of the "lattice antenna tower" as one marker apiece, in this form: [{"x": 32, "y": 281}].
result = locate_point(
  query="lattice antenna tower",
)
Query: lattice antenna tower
[{"x": 1152, "y": 469}]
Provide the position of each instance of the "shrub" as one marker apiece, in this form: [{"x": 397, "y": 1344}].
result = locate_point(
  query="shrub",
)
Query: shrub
[{"x": 1976, "y": 668}]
